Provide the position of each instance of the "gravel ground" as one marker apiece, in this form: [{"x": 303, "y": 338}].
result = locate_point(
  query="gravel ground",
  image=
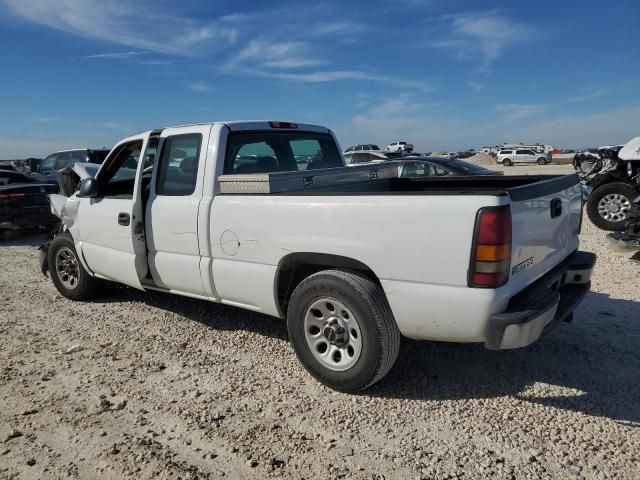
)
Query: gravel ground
[{"x": 137, "y": 385}]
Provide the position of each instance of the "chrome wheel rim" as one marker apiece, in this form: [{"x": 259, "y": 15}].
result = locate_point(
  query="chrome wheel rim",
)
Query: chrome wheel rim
[
  {"x": 614, "y": 207},
  {"x": 333, "y": 334},
  {"x": 67, "y": 268}
]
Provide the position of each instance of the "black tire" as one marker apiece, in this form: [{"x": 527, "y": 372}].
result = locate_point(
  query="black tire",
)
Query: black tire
[
  {"x": 506, "y": 162},
  {"x": 367, "y": 301},
  {"x": 86, "y": 286},
  {"x": 620, "y": 188},
  {"x": 542, "y": 161}
]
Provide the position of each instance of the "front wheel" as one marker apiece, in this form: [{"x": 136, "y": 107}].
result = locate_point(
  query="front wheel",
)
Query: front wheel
[
  {"x": 67, "y": 273},
  {"x": 342, "y": 329},
  {"x": 608, "y": 206},
  {"x": 506, "y": 162},
  {"x": 542, "y": 161}
]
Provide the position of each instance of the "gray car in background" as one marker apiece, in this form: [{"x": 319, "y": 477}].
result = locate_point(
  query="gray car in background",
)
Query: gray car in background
[{"x": 48, "y": 171}]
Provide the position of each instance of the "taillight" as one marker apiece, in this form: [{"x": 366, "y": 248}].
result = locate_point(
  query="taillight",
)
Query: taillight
[
  {"x": 491, "y": 250},
  {"x": 10, "y": 196}
]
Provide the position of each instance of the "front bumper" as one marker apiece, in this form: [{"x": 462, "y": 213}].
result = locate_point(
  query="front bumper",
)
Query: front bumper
[{"x": 542, "y": 305}]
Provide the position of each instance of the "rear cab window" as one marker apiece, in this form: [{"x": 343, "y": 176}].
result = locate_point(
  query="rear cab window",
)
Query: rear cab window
[{"x": 268, "y": 152}]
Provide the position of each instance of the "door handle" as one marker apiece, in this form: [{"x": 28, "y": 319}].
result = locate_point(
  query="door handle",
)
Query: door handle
[
  {"x": 556, "y": 207},
  {"x": 124, "y": 219}
]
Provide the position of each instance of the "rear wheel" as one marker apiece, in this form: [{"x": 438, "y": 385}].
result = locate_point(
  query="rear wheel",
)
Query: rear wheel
[
  {"x": 542, "y": 161},
  {"x": 342, "y": 329},
  {"x": 608, "y": 206},
  {"x": 67, "y": 273},
  {"x": 506, "y": 162}
]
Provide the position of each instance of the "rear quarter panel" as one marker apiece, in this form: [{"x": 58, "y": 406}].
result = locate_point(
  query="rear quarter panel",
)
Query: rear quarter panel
[{"x": 417, "y": 245}]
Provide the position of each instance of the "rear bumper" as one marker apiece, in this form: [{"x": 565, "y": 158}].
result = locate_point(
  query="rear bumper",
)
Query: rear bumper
[{"x": 542, "y": 305}]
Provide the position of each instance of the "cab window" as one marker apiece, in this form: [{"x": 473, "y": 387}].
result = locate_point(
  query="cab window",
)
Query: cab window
[{"x": 178, "y": 166}]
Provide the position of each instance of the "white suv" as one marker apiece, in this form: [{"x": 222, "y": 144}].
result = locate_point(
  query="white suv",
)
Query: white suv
[{"x": 510, "y": 157}]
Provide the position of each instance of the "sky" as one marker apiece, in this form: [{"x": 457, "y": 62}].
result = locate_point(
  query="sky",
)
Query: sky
[{"x": 443, "y": 75}]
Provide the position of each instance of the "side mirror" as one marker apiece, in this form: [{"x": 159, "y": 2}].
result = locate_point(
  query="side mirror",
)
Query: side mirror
[{"x": 88, "y": 188}]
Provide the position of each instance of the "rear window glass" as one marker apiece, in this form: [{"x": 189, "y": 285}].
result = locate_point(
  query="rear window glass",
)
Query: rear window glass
[
  {"x": 268, "y": 152},
  {"x": 506, "y": 152}
]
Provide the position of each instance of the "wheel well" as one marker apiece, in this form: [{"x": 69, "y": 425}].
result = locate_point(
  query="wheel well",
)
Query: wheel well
[{"x": 294, "y": 268}]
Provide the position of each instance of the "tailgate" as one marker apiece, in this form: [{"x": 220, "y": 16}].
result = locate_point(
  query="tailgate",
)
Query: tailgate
[{"x": 546, "y": 219}]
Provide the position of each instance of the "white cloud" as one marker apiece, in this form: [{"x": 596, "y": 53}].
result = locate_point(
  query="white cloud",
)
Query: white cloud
[
  {"x": 484, "y": 35},
  {"x": 287, "y": 61},
  {"x": 199, "y": 87},
  {"x": 116, "y": 55},
  {"x": 518, "y": 111},
  {"x": 339, "y": 28},
  {"x": 45, "y": 119},
  {"x": 134, "y": 24},
  {"x": 403, "y": 118},
  {"x": 476, "y": 86},
  {"x": 273, "y": 54},
  {"x": 611, "y": 127},
  {"x": 589, "y": 93}
]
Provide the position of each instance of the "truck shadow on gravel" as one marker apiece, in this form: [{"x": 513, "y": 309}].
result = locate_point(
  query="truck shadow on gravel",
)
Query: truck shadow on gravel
[
  {"x": 590, "y": 366},
  {"x": 216, "y": 316}
]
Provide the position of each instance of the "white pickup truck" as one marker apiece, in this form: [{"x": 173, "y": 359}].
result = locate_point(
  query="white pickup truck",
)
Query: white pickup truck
[
  {"x": 212, "y": 211},
  {"x": 399, "y": 147}
]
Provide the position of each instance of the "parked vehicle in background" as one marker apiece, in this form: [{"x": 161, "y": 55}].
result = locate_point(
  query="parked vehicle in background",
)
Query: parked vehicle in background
[
  {"x": 439, "y": 167},
  {"x": 611, "y": 182},
  {"x": 57, "y": 161},
  {"x": 24, "y": 202},
  {"x": 352, "y": 158},
  {"x": 399, "y": 147},
  {"x": 511, "y": 157},
  {"x": 359, "y": 148},
  {"x": 466, "y": 154}
]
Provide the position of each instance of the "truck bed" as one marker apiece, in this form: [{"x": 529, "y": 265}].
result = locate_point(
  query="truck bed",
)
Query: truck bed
[{"x": 519, "y": 187}]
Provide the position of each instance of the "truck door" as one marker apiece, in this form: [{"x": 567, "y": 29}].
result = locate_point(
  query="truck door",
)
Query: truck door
[
  {"x": 171, "y": 218},
  {"x": 524, "y": 156},
  {"x": 110, "y": 223}
]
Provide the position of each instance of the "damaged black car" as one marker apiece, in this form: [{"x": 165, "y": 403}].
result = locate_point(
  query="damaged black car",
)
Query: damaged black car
[{"x": 611, "y": 181}]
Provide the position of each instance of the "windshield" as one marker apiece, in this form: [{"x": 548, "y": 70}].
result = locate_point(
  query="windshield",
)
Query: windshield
[{"x": 270, "y": 151}]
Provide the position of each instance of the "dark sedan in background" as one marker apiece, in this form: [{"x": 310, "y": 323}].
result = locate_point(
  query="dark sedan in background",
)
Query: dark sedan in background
[
  {"x": 24, "y": 202},
  {"x": 417, "y": 166}
]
